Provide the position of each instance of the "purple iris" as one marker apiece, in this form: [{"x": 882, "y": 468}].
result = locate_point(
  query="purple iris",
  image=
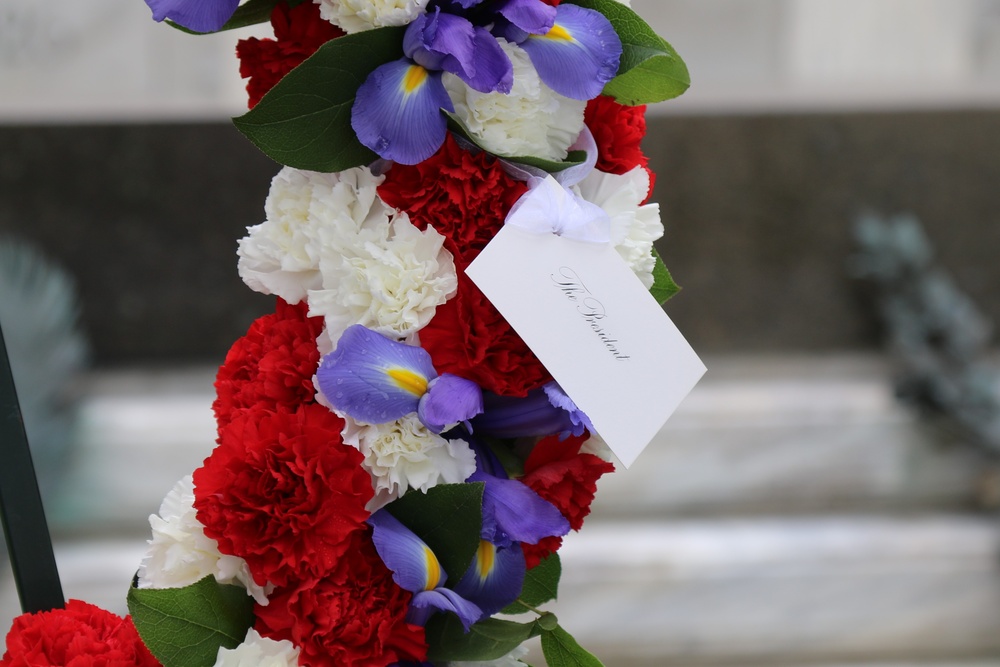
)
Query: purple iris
[
  {"x": 397, "y": 111},
  {"x": 374, "y": 379},
  {"x": 544, "y": 411},
  {"x": 575, "y": 56},
  {"x": 196, "y": 15},
  {"x": 416, "y": 568},
  {"x": 512, "y": 511}
]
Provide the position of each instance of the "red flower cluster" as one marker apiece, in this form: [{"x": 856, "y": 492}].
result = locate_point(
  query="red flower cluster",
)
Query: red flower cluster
[
  {"x": 299, "y": 31},
  {"x": 283, "y": 492},
  {"x": 271, "y": 366},
  {"x": 559, "y": 473},
  {"x": 618, "y": 130},
  {"x": 355, "y": 616},
  {"x": 79, "y": 635},
  {"x": 466, "y": 197}
]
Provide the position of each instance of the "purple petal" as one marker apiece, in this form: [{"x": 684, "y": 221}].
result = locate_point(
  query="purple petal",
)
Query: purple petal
[
  {"x": 510, "y": 417},
  {"x": 197, "y": 15},
  {"x": 447, "y": 42},
  {"x": 434, "y": 39},
  {"x": 397, "y": 112},
  {"x": 424, "y": 604},
  {"x": 449, "y": 400},
  {"x": 560, "y": 399},
  {"x": 492, "y": 70},
  {"x": 414, "y": 566},
  {"x": 494, "y": 578},
  {"x": 531, "y": 16},
  {"x": 516, "y": 513},
  {"x": 578, "y": 55},
  {"x": 374, "y": 379}
]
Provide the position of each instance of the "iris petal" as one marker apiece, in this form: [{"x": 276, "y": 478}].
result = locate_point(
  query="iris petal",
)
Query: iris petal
[
  {"x": 519, "y": 514},
  {"x": 512, "y": 417},
  {"x": 397, "y": 112},
  {"x": 374, "y": 379},
  {"x": 531, "y": 16},
  {"x": 414, "y": 566},
  {"x": 197, "y": 15},
  {"x": 560, "y": 399},
  {"x": 424, "y": 604},
  {"x": 578, "y": 55},
  {"x": 494, "y": 578},
  {"x": 449, "y": 400},
  {"x": 441, "y": 41}
]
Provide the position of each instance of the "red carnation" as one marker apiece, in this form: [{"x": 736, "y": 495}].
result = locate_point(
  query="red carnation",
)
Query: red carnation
[
  {"x": 618, "y": 130},
  {"x": 559, "y": 473},
  {"x": 465, "y": 197},
  {"x": 271, "y": 366},
  {"x": 283, "y": 492},
  {"x": 299, "y": 31},
  {"x": 79, "y": 635},
  {"x": 469, "y": 338},
  {"x": 355, "y": 616}
]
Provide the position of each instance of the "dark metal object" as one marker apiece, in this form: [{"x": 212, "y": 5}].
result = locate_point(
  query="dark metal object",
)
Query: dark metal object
[
  {"x": 25, "y": 529},
  {"x": 936, "y": 334}
]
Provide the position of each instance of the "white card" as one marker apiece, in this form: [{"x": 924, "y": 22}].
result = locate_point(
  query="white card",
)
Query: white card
[{"x": 595, "y": 327}]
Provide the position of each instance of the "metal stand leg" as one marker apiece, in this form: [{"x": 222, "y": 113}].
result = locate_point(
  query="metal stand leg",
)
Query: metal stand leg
[{"x": 25, "y": 529}]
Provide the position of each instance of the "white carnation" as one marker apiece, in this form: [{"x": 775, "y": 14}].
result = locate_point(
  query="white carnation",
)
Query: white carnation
[
  {"x": 512, "y": 659},
  {"x": 281, "y": 255},
  {"x": 531, "y": 120},
  {"x": 257, "y": 651},
  {"x": 359, "y": 15},
  {"x": 634, "y": 226},
  {"x": 390, "y": 279},
  {"x": 404, "y": 455},
  {"x": 180, "y": 553}
]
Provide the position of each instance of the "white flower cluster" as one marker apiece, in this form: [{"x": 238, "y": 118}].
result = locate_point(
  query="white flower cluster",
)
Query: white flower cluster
[
  {"x": 180, "y": 553},
  {"x": 328, "y": 239},
  {"x": 531, "y": 120},
  {"x": 634, "y": 225},
  {"x": 359, "y": 15},
  {"x": 404, "y": 455},
  {"x": 257, "y": 651}
]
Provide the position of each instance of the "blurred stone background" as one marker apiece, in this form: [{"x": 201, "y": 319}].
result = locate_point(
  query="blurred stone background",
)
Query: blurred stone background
[{"x": 791, "y": 513}]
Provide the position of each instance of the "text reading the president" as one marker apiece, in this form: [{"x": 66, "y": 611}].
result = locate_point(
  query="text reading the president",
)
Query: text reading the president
[{"x": 588, "y": 306}]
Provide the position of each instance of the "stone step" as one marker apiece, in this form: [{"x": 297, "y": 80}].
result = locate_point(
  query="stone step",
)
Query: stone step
[
  {"x": 784, "y": 590},
  {"x": 750, "y": 592},
  {"x": 796, "y": 434},
  {"x": 758, "y": 435}
]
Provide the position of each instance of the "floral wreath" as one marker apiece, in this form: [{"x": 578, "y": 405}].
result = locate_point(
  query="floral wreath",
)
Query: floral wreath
[{"x": 395, "y": 469}]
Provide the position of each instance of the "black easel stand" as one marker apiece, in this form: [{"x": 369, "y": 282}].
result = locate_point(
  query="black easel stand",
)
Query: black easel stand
[{"x": 28, "y": 541}]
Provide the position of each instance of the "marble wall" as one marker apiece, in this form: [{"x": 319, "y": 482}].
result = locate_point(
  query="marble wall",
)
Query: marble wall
[{"x": 64, "y": 60}]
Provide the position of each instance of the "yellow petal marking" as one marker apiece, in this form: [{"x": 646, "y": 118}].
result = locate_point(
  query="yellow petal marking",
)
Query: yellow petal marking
[
  {"x": 485, "y": 557},
  {"x": 433, "y": 570},
  {"x": 408, "y": 381},
  {"x": 559, "y": 32},
  {"x": 415, "y": 77}
]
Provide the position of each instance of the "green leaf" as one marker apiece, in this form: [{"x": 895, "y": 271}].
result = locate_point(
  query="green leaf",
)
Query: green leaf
[
  {"x": 541, "y": 584},
  {"x": 305, "y": 120},
  {"x": 650, "y": 69},
  {"x": 249, "y": 13},
  {"x": 449, "y": 518},
  {"x": 573, "y": 159},
  {"x": 561, "y": 650},
  {"x": 184, "y": 627},
  {"x": 664, "y": 286},
  {"x": 486, "y": 640}
]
